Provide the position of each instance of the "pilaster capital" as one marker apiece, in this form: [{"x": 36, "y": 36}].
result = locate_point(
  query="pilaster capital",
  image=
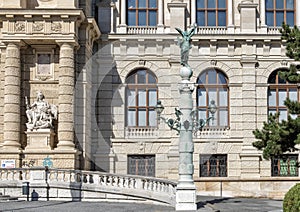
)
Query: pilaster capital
[
  {"x": 71, "y": 43},
  {"x": 19, "y": 43}
]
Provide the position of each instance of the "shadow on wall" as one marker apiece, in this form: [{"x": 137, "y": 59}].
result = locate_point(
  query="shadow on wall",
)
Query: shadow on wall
[{"x": 94, "y": 118}]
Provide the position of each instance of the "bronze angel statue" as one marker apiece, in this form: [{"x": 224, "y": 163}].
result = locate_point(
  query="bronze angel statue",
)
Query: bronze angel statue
[{"x": 185, "y": 44}]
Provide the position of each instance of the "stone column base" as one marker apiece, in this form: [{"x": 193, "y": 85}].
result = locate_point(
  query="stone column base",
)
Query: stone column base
[
  {"x": 40, "y": 139},
  {"x": 60, "y": 159},
  {"x": 186, "y": 199}
]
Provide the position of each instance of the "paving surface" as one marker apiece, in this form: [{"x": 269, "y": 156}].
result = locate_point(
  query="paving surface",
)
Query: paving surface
[{"x": 204, "y": 204}]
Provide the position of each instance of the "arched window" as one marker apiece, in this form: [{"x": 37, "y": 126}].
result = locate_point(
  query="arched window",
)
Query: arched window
[
  {"x": 141, "y": 99},
  {"x": 213, "y": 85},
  {"x": 278, "y": 91}
]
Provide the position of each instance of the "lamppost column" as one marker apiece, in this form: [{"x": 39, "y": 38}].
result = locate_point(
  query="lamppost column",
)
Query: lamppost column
[{"x": 186, "y": 187}]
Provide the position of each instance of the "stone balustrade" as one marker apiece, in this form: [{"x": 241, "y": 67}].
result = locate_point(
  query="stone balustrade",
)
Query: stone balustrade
[
  {"x": 141, "y": 30},
  {"x": 137, "y": 186},
  {"x": 274, "y": 30},
  {"x": 211, "y": 30},
  {"x": 213, "y": 132},
  {"x": 141, "y": 132}
]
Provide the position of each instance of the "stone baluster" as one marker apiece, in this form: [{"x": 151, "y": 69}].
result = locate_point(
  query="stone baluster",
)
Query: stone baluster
[
  {"x": 12, "y": 116},
  {"x": 66, "y": 97}
]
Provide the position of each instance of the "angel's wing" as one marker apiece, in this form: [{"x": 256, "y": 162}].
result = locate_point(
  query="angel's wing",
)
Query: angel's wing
[
  {"x": 192, "y": 32},
  {"x": 179, "y": 30}
]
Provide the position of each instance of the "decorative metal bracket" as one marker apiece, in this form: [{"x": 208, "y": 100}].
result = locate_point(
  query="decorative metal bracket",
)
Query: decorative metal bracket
[{"x": 174, "y": 124}]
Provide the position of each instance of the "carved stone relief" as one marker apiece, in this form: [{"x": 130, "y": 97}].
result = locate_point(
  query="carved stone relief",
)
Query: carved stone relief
[
  {"x": 20, "y": 26},
  {"x": 56, "y": 27}
]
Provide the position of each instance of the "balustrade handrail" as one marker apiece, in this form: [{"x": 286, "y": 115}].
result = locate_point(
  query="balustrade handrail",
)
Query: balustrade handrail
[
  {"x": 161, "y": 190},
  {"x": 89, "y": 172}
]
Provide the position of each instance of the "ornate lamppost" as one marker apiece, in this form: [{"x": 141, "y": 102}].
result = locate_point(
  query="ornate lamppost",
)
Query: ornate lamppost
[{"x": 186, "y": 124}]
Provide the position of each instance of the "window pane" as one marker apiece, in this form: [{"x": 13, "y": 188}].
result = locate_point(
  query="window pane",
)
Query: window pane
[
  {"x": 141, "y": 77},
  {"x": 152, "y": 118},
  {"x": 221, "y": 18},
  {"x": 142, "y": 3},
  {"x": 142, "y": 18},
  {"x": 212, "y": 94},
  {"x": 272, "y": 78},
  {"x": 131, "y": 18},
  {"x": 272, "y": 111},
  {"x": 152, "y": 4},
  {"x": 270, "y": 18},
  {"x": 290, "y": 18},
  {"x": 131, "y": 4},
  {"x": 212, "y": 77},
  {"x": 293, "y": 94},
  {"x": 152, "y": 18},
  {"x": 152, "y": 98},
  {"x": 279, "y": 4},
  {"x": 223, "y": 118},
  {"x": 131, "y": 97},
  {"x": 201, "y": 97},
  {"x": 281, "y": 97},
  {"x": 281, "y": 80},
  {"x": 279, "y": 18},
  {"x": 151, "y": 79},
  {"x": 269, "y": 4},
  {"x": 200, "y": 4},
  {"x": 202, "y": 114},
  {"x": 211, "y": 4},
  {"x": 142, "y": 117},
  {"x": 201, "y": 79},
  {"x": 201, "y": 18},
  {"x": 223, "y": 98},
  {"x": 211, "y": 18},
  {"x": 142, "y": 98},
  {"x": 221, "y": 79},
  {"x": 130, "y": 79},
  {"x": 131, "y": 118},
  {"x": 290, "y": 4},
  {"x": 272, "y": 98},
  {"x": 283, "y": 114},
  {"x": 221, "y": 4}
]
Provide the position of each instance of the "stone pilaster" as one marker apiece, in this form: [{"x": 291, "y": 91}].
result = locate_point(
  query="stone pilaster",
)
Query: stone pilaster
[
  {"x": 12, "y": 116},
  {"x": 250, "y": 159},
  {"x": 66, "y": 96}
]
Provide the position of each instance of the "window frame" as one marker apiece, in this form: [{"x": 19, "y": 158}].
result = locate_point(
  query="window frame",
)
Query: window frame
[
  {"x": 277, "y": 86},
  {"x": 138, "y": 87},
  {"x": 216, "y": 86},
  {"x": 206, "y": 10},
  {"x": 136, "y": 10},
  {"x": 143, "y": 158},
  {"x": 208, "y": 158},
  {"x": 275, "y": 162},
  {"x": 275, "y": 10}
]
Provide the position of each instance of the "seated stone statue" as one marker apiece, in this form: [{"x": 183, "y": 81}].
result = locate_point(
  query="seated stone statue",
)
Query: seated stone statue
[{"x": 40, "y": 114}]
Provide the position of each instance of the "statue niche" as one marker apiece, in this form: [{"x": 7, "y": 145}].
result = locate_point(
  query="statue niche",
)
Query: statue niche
[{"x": 40, "y": 113}]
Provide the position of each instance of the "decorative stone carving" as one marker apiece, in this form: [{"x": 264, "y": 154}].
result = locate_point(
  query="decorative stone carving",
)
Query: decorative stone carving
[
  {"x": 56, "y": 27},
  {"x": 37, "y": 27},
  {"x": 20, "y": 26},
  {"x": 40, "y": 114}
]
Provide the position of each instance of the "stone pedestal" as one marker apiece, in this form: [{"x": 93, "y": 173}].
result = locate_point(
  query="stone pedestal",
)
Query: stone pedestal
[
  {"x": 185, "y": 199},
  {"x": 40, "y": 139}
]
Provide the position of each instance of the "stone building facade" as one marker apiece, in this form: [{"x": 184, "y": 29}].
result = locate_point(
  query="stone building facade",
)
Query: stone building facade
[{"x": 106, "y": 100}]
